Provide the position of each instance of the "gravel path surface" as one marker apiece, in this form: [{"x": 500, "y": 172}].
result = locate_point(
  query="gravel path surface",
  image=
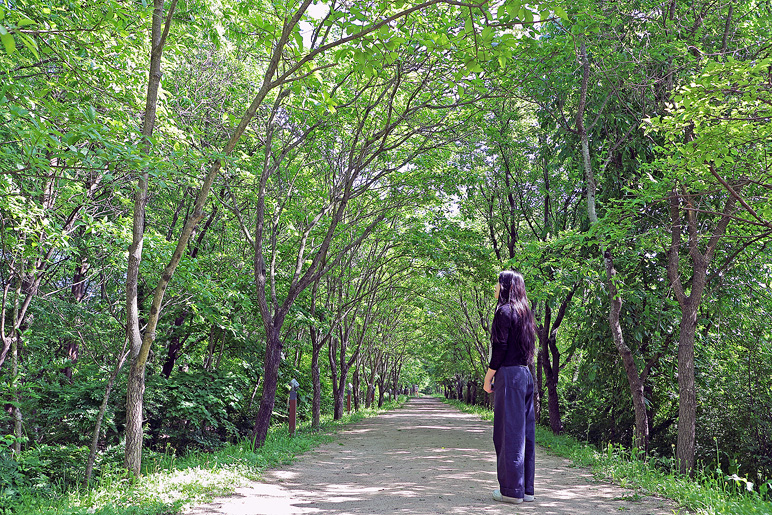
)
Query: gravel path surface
[{"x": 426, "y": 457}]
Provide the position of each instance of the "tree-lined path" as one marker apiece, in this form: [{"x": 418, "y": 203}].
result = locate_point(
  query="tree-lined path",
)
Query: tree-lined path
[
  {"x": 425, "y": 457},
  {"x": 205, "y": 202}
]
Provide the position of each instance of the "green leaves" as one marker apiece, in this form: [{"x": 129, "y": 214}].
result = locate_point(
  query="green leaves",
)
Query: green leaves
[
  {"x": 8, "y": 42},
  {"x": 11, "y": 23}
]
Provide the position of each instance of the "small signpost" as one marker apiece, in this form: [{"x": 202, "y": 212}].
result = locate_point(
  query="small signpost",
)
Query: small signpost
[
  {"x": 348, "y": 397},
  {"x": 293, "y": 406}
]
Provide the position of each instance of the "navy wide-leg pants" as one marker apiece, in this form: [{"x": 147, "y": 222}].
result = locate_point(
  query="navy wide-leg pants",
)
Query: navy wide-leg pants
[{"x": 514, "y": 430}]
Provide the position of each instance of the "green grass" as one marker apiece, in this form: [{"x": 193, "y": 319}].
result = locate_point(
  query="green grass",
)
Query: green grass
[
  {"x": 709, "y": 493},
  {"x": 171, "y": 483}
]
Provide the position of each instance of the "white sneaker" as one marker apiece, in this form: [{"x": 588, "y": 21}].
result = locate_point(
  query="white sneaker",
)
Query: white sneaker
[
  {"x": 503, "y": 498},
  {"x": 528, "y": 498}
]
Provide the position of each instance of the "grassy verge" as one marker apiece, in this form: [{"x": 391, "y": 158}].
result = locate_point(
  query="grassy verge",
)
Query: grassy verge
[
  {"x": 707, "y": 494},
  {"x": 171, "y": 483}
]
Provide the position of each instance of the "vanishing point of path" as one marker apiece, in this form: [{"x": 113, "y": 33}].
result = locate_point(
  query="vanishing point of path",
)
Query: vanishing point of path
[{"x": 423, "y": 458}]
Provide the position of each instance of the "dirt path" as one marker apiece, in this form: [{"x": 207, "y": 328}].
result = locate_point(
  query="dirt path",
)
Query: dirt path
[{"x": 423, "y": 458}]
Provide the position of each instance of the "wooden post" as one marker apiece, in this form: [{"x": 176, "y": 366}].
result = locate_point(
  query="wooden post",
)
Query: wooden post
[
  {"x": 293, "y": 402},
  {"x": 348, "y": 398}
]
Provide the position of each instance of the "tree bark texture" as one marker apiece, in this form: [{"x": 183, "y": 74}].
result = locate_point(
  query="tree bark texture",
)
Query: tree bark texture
[
  {"x": 101, "y": 416},
  {"x": 633, "y": 377},
  {"x": 270, "y": 382},
  {"x": 135, "y": 389},
  {"x": 15, "y": 339},
  {"x": 700, "y": 262},
  {"x": 17, "y": 418},
  {"x": 551, "y": 370},
  {"x": 316, "y": 403},
  {"x": 631, "y": 369},
  {"x": 136, "y": 381},
  {"x": 539, "y": 390},
  {"x": 687, "y": 391}
]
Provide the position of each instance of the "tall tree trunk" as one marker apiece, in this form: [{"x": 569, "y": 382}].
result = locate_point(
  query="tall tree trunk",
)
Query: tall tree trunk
[
  {"x": 136, "y": 382},
  {"x": 539, "y": 393},
  {"x": 343, "y": 368},
  {"x": 549, "y": 356},
  {"x": 687, "y": 391},
  {"x": 687, "y": 401},
  {"x": 633, "y": 377},
  {"x": 551, "y": 369},
  {"x": 17, "y": 418},
  {"x": 15, "y": 340},
  {"x": 340, "y": 397},
  {"x": 270, "y": 383},
  {"x": 381, "y": 393},
  {"x": 355, "y": 389},
  {"x": 553, "y": 405},
  {"x": 316, "y": 403},
  {"x": 135, "y": 391}
]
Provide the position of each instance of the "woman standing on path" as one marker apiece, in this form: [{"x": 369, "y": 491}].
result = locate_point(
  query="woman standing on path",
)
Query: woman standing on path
[{"x": 513, "y": 334}]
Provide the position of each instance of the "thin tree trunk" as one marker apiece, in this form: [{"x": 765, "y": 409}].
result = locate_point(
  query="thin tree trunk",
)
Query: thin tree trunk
[
  {"x": 17, "y": 418},
  {"x": 254, "y": 392},
  {"x": 687, "y": 402},
  {"x": 316, "y": 409},
  {"x": 101, "y": 416},
  {"x": 687, "y": 391},
  {"x": 340, "y": 397},
  {"x": 539, "y": 394},
  {"x": 175, "y": 345},
  {"x": 135, "y": 391},
  {"x": 343, "y": 368},
  {"x": 355, "y": 388},
  {"x": 221, "y": 351},
  {"x": 553, "y": 405},
  {"x": 78, "y": 289},
  {"x": 136, "y": 382},
  {"x": 6, "y": 348},
  {"x": 551, "y": 370},
  {"x": 316, "y": 403},
  {"x": 727, "y": 28},
  {"x": 381, "y": 393},
  {"x": 209, "y": 360},
  {"x": 16, "y": 338},
  {"x": 633, "y": 377}
]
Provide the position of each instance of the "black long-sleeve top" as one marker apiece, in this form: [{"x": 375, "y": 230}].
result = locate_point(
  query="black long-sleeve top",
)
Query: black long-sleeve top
[{"x": 505, "y": 336}]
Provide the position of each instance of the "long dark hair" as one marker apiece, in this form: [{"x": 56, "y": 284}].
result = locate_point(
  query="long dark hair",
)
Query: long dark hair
[{"x": 512, "y": 293}]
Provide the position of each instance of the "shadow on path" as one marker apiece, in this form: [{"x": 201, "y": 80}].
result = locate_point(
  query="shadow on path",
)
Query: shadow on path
[{"x": 423, "y": 458}]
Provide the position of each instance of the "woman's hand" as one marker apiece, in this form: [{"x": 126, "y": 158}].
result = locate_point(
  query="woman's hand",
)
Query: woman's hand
[{"x": 488, "y": 382}]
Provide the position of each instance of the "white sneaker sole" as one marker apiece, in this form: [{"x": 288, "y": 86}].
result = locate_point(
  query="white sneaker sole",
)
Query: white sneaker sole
[{"x": 503, "y": 498}]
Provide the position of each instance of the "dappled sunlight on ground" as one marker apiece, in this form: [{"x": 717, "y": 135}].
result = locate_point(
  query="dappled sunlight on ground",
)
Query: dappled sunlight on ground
[{"x": 425, "y": 458}]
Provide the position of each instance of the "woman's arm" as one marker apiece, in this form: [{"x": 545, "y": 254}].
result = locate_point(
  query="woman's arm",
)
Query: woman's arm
[
  {"x": 499, "y": 337},
  {"x": 488, "y": 383}
]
